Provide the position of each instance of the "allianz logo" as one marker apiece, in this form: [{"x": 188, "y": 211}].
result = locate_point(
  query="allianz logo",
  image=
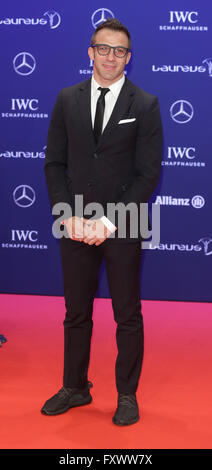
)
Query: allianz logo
[
  {"x": 204, "y": 245},
  {"x": 196, "y": 201},
  {"x": 23, "y": 154},
  {"x": 52, "y": 18},
  {"x": 186, "y": 68}
]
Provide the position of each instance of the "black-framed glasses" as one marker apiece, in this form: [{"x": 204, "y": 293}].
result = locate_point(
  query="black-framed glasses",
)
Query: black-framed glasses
[{"x": 104, "y": 49}]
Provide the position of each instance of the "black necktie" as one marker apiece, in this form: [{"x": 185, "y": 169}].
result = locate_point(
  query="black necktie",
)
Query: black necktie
[{"x": 100, "y": 107}]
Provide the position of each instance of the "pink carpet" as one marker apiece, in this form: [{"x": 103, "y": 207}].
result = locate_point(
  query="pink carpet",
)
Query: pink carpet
[{"x": 174, "y": 392}]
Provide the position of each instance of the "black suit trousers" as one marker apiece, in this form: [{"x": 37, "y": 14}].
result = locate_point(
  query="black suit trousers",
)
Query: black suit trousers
[{"x": 81, "y": 264}]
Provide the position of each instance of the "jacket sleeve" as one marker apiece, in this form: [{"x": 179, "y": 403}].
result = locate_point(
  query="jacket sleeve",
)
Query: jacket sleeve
[
  {"x": 56, "y": 156},
  {"x": 148, "y": 156}
]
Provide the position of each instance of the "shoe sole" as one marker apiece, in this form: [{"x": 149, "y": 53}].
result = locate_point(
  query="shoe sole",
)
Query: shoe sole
[
  {"x": 123, "y": 423},
  {"x": 80, "y": 403}
]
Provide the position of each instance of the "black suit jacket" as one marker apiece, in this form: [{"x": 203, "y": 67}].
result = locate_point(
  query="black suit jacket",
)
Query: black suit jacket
[{"x": 125, "y": 164}]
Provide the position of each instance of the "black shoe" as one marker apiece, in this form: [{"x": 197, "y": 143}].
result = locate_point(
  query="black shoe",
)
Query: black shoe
[
  {"x": 67, "y": 398},
  {"x": 2, "y": 340},
  {"x": 127, "y": 410}
]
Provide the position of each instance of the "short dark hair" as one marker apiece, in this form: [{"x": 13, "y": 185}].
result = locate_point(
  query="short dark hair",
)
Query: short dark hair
[{"x": 114, "y": 25}]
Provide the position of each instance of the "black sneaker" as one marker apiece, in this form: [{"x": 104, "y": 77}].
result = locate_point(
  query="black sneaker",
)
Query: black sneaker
[
  {"x": 67, "y": 398},
  {"x": 2, "y": 340},
  {"x": 127, "y": 410}
]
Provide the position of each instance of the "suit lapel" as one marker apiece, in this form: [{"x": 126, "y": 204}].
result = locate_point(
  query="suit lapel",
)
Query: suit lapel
[{"x": 84, "y": 106}]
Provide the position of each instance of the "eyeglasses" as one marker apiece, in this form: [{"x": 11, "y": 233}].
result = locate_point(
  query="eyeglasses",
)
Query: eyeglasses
[{"x": 104, "y": 49}]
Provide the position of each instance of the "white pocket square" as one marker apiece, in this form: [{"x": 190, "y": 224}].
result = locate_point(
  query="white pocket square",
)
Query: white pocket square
[{"x": 123, "y": 121}]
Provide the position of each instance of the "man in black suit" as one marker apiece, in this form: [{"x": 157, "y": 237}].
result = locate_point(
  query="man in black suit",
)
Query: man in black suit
[{"x": 105, "y": 144}]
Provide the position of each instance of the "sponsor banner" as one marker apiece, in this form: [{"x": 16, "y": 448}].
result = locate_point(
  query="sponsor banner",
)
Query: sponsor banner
[
  {"x": 181, "y": 111},
  {"x": 35, "y": 69},
  {"x": 203, "y": 246},
  {"x": 101, "y": 15},
  {"x": 24, "y": 63},
  {"x": 24, "y": 239},
  {"x": 196, "y": 201},
  {"x": 185, "y": 157},
  {"x": 24, "y": 196},
  {"x": 23, "y": 154},
  {"x": 207, "y": 67},
  {"x": 189, "y": 21},
  {"x": 50, "y": 18},
  {"x": 24, "y": 108}
]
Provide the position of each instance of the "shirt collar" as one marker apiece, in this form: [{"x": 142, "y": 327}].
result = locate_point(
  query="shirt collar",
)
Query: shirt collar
[{"x": 114, "y": 88}]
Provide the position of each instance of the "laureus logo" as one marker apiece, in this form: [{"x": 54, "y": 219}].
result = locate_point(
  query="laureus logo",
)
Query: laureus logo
[
  {"x": 206, "y": 242},
  {"x": 208, "y": 62},
  {"x": 185, "y": 68},
  {"x": 52, "y": 18}
]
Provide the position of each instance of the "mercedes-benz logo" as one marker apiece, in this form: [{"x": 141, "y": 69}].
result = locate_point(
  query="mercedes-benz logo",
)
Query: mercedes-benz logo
[
  {"x": 24, "y": 63},
  {"x": 24, "y": 195},
  {"x": 100, "y": 15},
  {"x": 181, "y": 111},
  {"x": 54, "y": 19}
]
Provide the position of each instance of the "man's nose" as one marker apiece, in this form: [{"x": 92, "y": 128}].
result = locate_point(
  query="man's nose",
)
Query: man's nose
[{"x": 111, "y": 54}]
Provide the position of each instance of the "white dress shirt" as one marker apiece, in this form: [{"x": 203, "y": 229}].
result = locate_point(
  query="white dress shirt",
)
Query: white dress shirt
[
  {"x": 110, "y": 98},
  {"x": 110, "y": 101}
]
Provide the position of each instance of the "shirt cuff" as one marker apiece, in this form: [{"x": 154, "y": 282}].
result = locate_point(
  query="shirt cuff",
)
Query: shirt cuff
[{"x": 108, "y": 224}]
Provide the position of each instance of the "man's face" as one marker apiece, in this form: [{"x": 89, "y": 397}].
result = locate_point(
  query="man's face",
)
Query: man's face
[{"x": 108, "y": 69}]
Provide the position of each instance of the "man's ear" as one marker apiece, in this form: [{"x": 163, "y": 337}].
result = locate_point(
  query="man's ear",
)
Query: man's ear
[
  {"x": 128, "y": 57},
  {"x": 91, "y": 53}
]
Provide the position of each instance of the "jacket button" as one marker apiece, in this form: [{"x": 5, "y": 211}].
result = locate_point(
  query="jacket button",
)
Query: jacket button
[
  {"x": 89, "y": 185},
  {"x": 95, "y": 156}
]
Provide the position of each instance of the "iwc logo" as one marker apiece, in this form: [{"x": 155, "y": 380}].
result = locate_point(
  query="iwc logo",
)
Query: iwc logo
[{"x": 183, "y": 21}]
